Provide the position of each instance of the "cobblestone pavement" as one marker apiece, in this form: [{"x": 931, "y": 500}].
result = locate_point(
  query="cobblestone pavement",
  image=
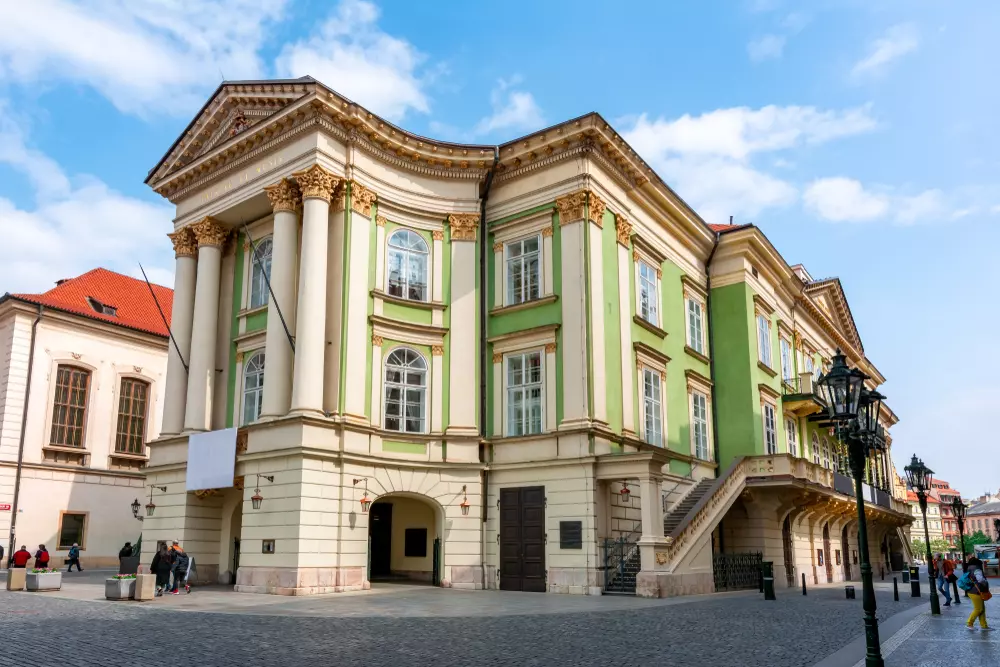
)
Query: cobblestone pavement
[
  {"x": 39, "y": 629},
  {"x": 944, "y": 641}
]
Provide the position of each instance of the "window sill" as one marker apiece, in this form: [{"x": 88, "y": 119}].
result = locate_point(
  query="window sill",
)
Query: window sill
[
  {"x": 513, "y": 308},
  {"x": 650, "y": 327},
  {"x": 130, "y": 457},
  {"x": 398, "y": 300},
  {"x": 68, "y": 450},
  {"x": 247, "y": 312},
  {"x": 696, "y": 354},
  {"x": 767, "y": 369}
]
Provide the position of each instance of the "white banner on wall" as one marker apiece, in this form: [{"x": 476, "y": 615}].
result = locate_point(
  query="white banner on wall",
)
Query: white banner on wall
[{"x": 211, "y": 460}]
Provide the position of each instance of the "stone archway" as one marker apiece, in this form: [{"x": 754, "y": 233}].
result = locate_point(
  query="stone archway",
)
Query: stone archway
[{"x": 405, "y": 539}]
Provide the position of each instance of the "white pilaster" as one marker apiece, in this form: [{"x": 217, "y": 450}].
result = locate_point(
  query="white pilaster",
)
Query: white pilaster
[
  {"x": 181, "y": 318},
  {"x": 380, "y": 253},
  {"x": 595, "y": 269},
  {"x": 624, "y": 232},
  {"x": 316, "y": 185},
  {"x": 284, "y": 197},
  {"x": 437, "y": 276},
  {"x": 437, "y": 388},
  {"x": 550, "y": 387},
  {"x": 498, "y": 275},
  {"x": 498, "y": 414},
  {"x": 463, "y": 336},
  {"x": 548, "y": 276},
  {"x": 376, "y": 382},
  {"x": 574, "y": 310},
  {"x": 201, "y": 376},
  {"x": 356, "y": 328}
]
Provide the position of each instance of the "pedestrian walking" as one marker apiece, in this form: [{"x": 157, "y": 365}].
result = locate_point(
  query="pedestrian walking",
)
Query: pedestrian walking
[
  {"x": 21, "y": 557},
  {"x": 1, "y": 554},
  {"x": 74, "y": 558},
  {"x": 181, "y": 562},
  {"x": 161, "y": 567},
  {"x": 42, "y": 557},
  {"x": 944, "y": 569},
  {"x": 978, "y": 588}
]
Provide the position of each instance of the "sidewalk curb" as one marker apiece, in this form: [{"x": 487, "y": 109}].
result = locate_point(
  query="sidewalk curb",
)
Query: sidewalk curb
[{"x": 849, "y": 655}]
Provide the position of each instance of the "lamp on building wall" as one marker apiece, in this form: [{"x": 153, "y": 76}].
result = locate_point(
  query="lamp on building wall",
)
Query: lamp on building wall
[
  {"x": 135, "y": 509},
  {"x": 920, "y": 478},
  {"x": 366, "y": 502},
  {"x": 958, "y": 507},
  {"x": 150, "y": 506},
  {"x": 625, "y": 493},
  {"x": 465, "y": 502},
  {"x": 256, "y": 499}
]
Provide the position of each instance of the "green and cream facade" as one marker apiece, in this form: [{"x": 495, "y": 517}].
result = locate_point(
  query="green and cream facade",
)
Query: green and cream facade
[{"x": 491, "y": 383}]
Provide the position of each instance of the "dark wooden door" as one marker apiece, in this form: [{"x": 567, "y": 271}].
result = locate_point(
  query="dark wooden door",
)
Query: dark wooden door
[
  {"x": 845, "y": 548},
  {"x": 380, "y": 532},
  {"x": 786, "y": 545},
  {"x": 522, "y": 539},
  {"x": 827, "y": 555}
]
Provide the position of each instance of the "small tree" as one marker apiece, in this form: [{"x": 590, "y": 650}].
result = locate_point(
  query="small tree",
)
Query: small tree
[
  {"x": 918, "y": 548},
  {"x": 939, "y": 546}
]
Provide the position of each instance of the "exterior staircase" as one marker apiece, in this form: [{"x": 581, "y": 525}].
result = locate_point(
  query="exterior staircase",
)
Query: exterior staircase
[
  {"x": 621, "y": 580},
  {"x": 675, "y": 517}
]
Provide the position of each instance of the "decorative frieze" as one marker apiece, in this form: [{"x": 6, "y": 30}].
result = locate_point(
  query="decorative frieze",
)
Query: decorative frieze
[
  {"x": 185, "y": 244},
  {"x": 571, "y": 207},
  {"x": 284, "y": 195},
  {"x": 463, "y": 226},
  {"x": 623, "y": 230},
  {"x": 362, "y": 199},
  {"x": 316, "y": 182},
  {"x": 208, "y": 232}
]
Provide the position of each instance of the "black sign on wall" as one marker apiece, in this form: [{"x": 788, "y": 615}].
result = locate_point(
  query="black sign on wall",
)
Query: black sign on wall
[{"x": 570, "y": 534}]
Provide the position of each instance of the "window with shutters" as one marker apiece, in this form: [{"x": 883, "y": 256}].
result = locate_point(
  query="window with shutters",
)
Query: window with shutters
[{"x": 133, "y": 397}]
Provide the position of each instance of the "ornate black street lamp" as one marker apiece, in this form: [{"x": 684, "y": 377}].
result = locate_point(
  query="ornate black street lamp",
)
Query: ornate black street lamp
[
  {"x": 135, "y": 509},
  {"x": 920, "y": 476},
  {"x": 855, "y": 415},
  {"x": 151, "y": 506},
  {"x": 958, "y": 507}
]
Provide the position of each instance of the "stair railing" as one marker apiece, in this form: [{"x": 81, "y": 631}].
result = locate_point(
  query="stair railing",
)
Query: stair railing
[{"x": 617, "y": 552}]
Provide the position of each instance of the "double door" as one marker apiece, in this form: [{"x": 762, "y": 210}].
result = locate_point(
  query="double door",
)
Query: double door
[{"x": 522, "y": 539}]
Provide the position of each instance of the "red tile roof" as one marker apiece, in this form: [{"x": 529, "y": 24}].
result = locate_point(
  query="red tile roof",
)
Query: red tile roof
[
  {"x": 727, "y": 228},
  {"x": 135, "y": 306}
]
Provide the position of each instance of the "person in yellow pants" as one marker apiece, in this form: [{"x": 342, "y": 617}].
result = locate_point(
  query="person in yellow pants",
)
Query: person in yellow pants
[{"x": 979, "y": 585}]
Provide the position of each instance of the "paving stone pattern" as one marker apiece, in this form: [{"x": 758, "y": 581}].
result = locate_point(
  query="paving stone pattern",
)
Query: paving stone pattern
[
  {"x": 943, "y": 641},
  {"x": 36, "y": 629}
]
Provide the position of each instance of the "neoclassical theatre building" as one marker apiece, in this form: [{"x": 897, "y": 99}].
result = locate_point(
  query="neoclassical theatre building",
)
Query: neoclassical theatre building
[{"x": 529, "y": 366}]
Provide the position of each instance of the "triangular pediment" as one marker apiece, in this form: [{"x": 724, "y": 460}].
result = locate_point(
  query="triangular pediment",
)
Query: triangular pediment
[{"x": 830, "y": 299}]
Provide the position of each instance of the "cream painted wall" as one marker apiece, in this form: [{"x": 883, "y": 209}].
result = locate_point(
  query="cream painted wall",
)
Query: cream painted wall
[{"x": 411, "y": 513}]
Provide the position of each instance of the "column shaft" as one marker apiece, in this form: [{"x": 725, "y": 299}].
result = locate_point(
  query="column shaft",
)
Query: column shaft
[
  {"x": 463, "y": 335},
  {"x": 182, "y": 315}
]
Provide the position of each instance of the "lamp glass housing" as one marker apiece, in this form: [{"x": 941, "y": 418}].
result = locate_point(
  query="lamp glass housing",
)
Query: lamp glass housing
[
  {"x": 841, "y": 388},
  {"x": 150, "y": 508}
]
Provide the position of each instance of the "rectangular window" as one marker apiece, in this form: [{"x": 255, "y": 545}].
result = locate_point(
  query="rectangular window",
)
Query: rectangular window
[
  {"x": 695, "y": 329},
  {"x": 523, "y": 267},
  {"x": 69, "y": 410},
  {"x": 770, "y": 430},
  {"x": 786, "y": 360},
  {"x": 652, "y": 406},
  {"x": 647, "y": 294},
  {"x": 793, "y": 437},
  {"x": 524, "y": 394},
  {"x": 699, "y": 425},
  {"x": 71, "y": 530},
  {"x": 764, "y": 339},
  {"x": 131, "y": 436}
]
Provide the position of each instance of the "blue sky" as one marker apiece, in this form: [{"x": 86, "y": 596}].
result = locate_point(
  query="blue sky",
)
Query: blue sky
[{"x": 859, "y": 135}]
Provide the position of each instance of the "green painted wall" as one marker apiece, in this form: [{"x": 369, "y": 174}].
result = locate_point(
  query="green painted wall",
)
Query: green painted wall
[
  {"x": 446, "y": 296},
  {"x": 373, "y": 249},
  {"x": 256, "y": 321},
  {"x": 404, "y": 447},
  {"x": 235, "y": 329},
  {"x": 736, "y": 395}
]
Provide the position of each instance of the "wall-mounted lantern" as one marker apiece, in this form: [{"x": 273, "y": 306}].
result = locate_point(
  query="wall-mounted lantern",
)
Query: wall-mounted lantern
[
  {"x": 256, "y": 499},
  {"x": 151, "y": 506},
  {"x": 465, "y": 502},
  {"x": 366, "y": 502},
  {"x": 625, "y": 493}
]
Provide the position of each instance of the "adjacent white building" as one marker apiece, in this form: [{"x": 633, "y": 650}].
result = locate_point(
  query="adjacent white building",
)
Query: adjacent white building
[{"x": 82, "y": 368}]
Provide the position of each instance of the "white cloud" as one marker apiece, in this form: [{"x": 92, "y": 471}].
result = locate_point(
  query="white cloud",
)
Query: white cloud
[
  {"x": 928, "y": 205},
  {"x": 350, "y": 53},
  {"x": 79, "y": 223},
  {"x": 894, "y": 44},
  {"x": 766, "y": 48},
  {"x": 512, "y": 110},
  {"x": 843, "y": 200},
  {"x": 995, "y": 208},
  {"x": 145, "y": 56}
]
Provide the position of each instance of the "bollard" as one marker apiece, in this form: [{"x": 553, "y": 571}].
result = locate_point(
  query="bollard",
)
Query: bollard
[
  {"x": 767, "y": 580},
  {"x": 849, "y": 590},
  {"x": 906, "y": 575},
  {"x": 803, "y": 583},
  {"x": 895, "y": 590},
  {"x": 881, "y": 572},
  {"x": 914, "y": 581}
]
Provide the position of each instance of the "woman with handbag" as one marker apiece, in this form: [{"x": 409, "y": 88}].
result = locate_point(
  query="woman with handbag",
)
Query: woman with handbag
[{"x": 979, "y": 592}]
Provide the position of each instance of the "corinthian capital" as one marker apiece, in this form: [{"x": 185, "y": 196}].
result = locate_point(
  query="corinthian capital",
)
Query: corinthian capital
[
  {"x": 185, "y": 244},
  {"x": 623, "y": 230},
  {"x": 571, "y": 207},
  {"x": 209, "y": 232},
  {"x": 316, "y": 182},
  {"x": 362, "y": 199},
  {"x": 284, "y": 195},
  {"x": 463, "y": 226},
  {"x": 595, "y": 209}
]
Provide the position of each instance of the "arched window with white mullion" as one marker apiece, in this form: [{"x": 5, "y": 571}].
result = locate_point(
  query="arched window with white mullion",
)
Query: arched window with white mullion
[
  {"x": 407, "y": 266},
  {"x": 261, "y": 264},
  {"x": 253, "y": 387},
  {"x": 405, "y": 391}
]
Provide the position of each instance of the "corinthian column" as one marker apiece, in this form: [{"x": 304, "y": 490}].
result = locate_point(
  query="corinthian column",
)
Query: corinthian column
[
  {"x": 463, "y": 338},
  {"x": 201, "y": 377},
  {"x": 284, "y": 196},
  {"x": 182, "y": 312},
  {"x": 317, "y": 185},
  {"x": 356, "y": 327},
  {"x": 575, "y": 381}
]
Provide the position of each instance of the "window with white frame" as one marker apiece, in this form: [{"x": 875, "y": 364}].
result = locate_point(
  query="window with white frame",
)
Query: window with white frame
[
  {"x": 699, "y": 425},
  {"x": 815, "y": 447},
  {"x": 652, "y": 407},
  {"x": 810, "y": 365},
  {"x": 764, "y": 339},
  {"x": 261, "y": 273},
  {"x": 792, "y": 433},
  {"x": 786, "y": 359},
  {"x": 407, "y": 265},
  {"x": 826, "y": 453},
  {"x": 648, "y": 294},
  {"x": 695, "y": 325},
  {"x": 253, "y": 387},
  {"x": 524, "y": 393},
  {"x": 523, "y": 269},
  {"x": 770, "y": 430},
  {"x": 405, "y": 391}
]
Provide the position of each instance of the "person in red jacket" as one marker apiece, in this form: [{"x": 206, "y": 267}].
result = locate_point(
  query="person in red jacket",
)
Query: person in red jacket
[{"x": 21, "y": 557}]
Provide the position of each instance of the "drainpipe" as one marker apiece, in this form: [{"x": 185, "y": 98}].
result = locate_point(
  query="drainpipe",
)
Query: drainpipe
[
  {"x": 24, "y": 422},
  {"x": 483, "y": 359},
  {"x": 711, "y": 343}
]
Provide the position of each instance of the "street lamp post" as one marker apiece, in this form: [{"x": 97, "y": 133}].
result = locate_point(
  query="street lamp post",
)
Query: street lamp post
[
  {"x": 843, "y": 387},
  {"x": 919, "y": 476},
  {"x": 958, "y": 507}
]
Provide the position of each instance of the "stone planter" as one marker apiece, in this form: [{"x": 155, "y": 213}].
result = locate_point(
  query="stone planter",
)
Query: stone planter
[
  {"x": 119, "y": 589},
  {"x": 129, "y": 565},
  {"x": 15, "y": 579},
  {"x": 145, "y": 586},
  {"x": 44, "y": 581}
]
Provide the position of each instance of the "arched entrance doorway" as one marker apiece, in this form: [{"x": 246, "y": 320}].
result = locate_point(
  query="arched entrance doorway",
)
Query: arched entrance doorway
[
  {"x": 827, "y": 554},
  {"x": 845, "y": 548},
  {"x": 788, "y": 551},
  {"x": 229, "y": 537},
  {"x": 404, "y": 540}
]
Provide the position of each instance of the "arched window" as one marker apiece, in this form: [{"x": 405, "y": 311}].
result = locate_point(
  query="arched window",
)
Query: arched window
[
  {"x": 826, "y": 453},
  {"x": 253, "y": 387},
  {"x": 405, "y": 391},
  {"x": 815, "y": 448},
  {"x": 261, "y": 264},
  {"x": 407, "y": 277}
]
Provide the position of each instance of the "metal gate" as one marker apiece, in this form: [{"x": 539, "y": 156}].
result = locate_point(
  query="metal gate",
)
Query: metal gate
[
  {"x": 436, "y": 573},
  {"x": 621, "y": 564},
  {"x": 786, "y": 543},
  {"x": 737, "y": 571}
]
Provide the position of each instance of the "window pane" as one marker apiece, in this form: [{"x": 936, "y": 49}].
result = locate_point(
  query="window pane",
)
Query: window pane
[
  {"x": 71, "y": 530},
  {"x": 69, "y": 406}
]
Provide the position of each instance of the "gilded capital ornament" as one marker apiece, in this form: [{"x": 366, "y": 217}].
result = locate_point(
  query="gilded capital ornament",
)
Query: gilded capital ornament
[
  {"x": 185, "y": 244},
  {"x": 338, "y": 201},
  {"x": 497, "y": 247},
  {"x": 595, "y": 209},
  {"x": 377, "y": 341},
  {"x": 550, "y": 348},
  {"x": 623, "y": 229},
  {"x": 547, "y": 231},
  {"x": 571, "y": 207},
  {"x": 437, "y": 235},
  {"x": 208, "y": 232},
  {"x": 497, "y": 358},
  {"x": 316, "y": 182},
  {"x": 362, "y": 199},
  {"x": 380, "y": 221},
  {"x": 437, "y": 350},
  {"x": 284, "y": 195},
  {"x": 463, "y": 226}
]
